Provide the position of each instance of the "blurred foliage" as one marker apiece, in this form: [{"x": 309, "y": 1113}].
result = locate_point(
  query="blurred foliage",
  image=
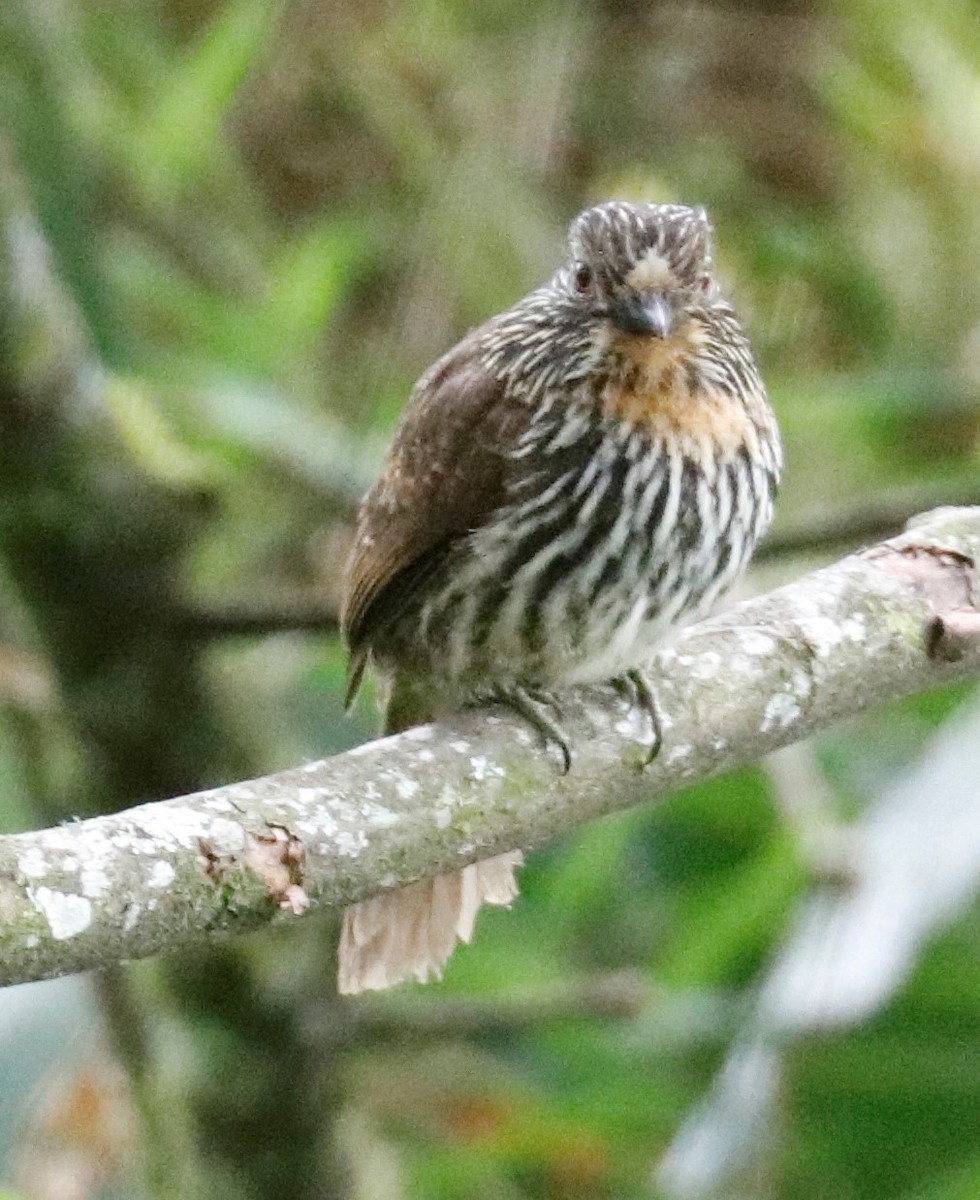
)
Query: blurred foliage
[{"x": 258, "y": 222}]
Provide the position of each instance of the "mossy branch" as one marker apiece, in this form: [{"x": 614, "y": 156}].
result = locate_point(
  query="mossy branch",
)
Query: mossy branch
[{"x": 895, "y": 619}]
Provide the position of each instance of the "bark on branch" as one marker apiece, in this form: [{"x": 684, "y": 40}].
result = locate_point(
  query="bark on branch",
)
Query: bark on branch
[{"x": 878, "y": 625}]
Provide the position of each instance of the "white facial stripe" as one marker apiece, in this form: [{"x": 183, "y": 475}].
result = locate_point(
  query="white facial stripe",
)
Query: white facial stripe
[{"x": 652, "y": 271}]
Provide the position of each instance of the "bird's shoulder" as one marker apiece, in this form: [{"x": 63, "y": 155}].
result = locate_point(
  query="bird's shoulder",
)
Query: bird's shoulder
[{"x": 443, "y": 476}]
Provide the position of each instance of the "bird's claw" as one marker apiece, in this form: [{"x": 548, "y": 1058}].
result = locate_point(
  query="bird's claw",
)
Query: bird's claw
[
  {"x": 540, "y": 710},
  {"x": 636, "y": 688}
]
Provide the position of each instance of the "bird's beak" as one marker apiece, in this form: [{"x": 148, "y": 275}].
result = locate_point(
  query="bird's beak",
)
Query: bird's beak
[{"x": 643, "y": 312}]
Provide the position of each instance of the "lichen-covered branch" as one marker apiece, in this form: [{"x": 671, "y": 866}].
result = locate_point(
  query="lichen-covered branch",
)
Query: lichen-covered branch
[{"x": 164, "y": 876}]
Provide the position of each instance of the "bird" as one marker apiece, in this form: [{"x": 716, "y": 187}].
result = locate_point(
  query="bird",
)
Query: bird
[{"x": 580, "y": 476}]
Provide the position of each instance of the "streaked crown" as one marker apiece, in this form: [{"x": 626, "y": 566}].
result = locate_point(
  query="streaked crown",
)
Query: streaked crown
[{"x": 612, "y": 239}]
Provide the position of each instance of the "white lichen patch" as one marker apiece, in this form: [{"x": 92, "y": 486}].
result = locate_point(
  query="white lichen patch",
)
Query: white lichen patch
[
  {"x": 460, "y": 746},
  {"x": 132, "y": 916},
  {"x": 707, "y": 665},
  {"x": 855, "y": 628},
  {"x": 443, "y": 818},
  {"x": 405, "y": 786},
  {"x": 482, "y": 768},
  {"x": 745, "y": 666},
  {"x": 179, "y": 826},
  {"x": 131, "y": 843},
  {"x": 782, "y": 710},
  {"x": 310, "y": 797},
  {"x": 676, "y": 753},
  {"x": 162, "y": 874},
  {"x": 223, "y": 836},
  {"x": 426, "y": 756},
  {"x": 32, "y": 864},
  {"x": 822, "y": 634},
  {"x": 353, "y": 752},
  {"x": 754, "y": 641},
  {"x": 421, "y": 733},
  {"x": 345, "y": 812},
  {"x": 220, "y": 804},
  {"x": 367, "y": 748},
  {"x": 802, "y": 684},
  {"x": 67, "y": 914},
  {"x": 94, "y": 881},
  {"x": 318, "y": 827},
  {"x": 350, "y": 843},
  {"x": 380, "y": 816},
  {"x": 59, "y": 839}
]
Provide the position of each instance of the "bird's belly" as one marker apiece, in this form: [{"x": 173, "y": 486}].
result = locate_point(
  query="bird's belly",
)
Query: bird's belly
[{"x": 582, "y": 581}]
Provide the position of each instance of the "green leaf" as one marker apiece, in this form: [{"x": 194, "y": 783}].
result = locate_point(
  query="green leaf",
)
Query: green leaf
[{"x": 183, "y": 135}]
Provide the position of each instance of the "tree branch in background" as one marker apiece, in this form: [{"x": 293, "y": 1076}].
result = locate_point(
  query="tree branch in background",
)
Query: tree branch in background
[
  {"x": 243, "y": 618},
  {"x": 828, "y": 529},
  {"x": 616, "y": 995},
  {"x": 179, "y": 873},
  {"x": 819, "y": 532}
]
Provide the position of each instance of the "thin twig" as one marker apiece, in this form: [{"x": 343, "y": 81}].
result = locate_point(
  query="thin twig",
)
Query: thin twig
[
  {"x": 617, "y": 995},
  {"x": 312, "y": 614}
]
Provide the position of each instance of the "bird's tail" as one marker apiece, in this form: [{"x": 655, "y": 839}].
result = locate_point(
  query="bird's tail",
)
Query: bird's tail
[{"x": 410, "y": 933}]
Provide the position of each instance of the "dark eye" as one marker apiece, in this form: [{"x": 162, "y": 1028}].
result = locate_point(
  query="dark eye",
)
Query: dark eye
[{"x": 582, "y": 277}]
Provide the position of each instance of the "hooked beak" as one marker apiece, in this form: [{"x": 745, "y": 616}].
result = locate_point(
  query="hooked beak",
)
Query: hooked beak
[{"x": 643, "y": 312}]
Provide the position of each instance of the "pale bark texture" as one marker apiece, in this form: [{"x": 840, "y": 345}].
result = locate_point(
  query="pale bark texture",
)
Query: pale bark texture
[{"x": 892, "y": 620}]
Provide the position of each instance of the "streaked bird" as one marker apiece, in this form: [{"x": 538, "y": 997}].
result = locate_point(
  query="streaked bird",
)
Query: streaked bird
[{"x": 575, "y": 479}]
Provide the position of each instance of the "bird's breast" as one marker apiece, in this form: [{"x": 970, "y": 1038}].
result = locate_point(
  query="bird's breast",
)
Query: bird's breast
[
  {"x": 663, "y": 388},
  {"x": 609, "y": 540}
]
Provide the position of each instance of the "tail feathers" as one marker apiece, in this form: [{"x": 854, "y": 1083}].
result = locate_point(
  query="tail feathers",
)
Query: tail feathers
[{"x": 410, "y": 934}]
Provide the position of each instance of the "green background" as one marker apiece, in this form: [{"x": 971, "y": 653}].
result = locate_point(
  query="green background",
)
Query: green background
[{"x": 233, "y": 234}]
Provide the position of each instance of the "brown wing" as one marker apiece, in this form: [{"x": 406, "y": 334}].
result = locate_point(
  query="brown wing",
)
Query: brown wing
[{"x": 443, "y": 476}]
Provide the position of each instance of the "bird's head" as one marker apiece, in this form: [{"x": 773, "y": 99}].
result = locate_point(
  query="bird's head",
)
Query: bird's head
[{"x": 640, "y": 267}]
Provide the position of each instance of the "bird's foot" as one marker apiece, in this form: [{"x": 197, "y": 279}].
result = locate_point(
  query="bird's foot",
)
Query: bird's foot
[
  {"x": 540, "y": 710},
  {"x": 635, "y": 687}
]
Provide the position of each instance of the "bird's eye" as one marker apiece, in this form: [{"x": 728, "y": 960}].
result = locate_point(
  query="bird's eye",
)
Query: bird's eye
[{"x": 582, "y": 277}]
